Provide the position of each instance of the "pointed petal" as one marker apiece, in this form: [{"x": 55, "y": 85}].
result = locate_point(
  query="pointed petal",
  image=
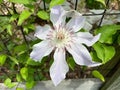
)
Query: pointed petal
[
  {"x": 41, "y": 32},
  {"x": 59, "y": 67},
  {"x": 40, "y": 50},
  {"x": 77, "y": 22},
  {"x": 57, "y": 16},
  {"x": 86, "y": 38},
  {"x": 81, "y": 55}
]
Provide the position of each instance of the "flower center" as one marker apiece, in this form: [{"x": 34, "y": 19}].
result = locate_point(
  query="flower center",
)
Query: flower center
[{"x": 60, "y": 37}]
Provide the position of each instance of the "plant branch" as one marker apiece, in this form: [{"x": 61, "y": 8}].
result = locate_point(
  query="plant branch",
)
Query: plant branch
[
  {"x": 76, "y": 3},
  {"x": 21, "y": 28},
  {"x": 103, "y": 14},
  {"x": 44, "y": 5}
]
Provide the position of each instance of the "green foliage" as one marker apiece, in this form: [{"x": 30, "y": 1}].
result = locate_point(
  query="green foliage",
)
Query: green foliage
[
  {"x": 4, "y": 21},
  {"x": 97, "y": 74},
  {"x": 21, "y": 1},
  {"x": 24, "y": 73},
  {"x": 30, "y": 84},
  {"x": 1, "y": 1},
  {"x": 43, "y": 15},
  {"x": 71, "y": 63},
  {"x": 94, "y": 4},
  {"x": 104, "y": 52},
  {"x": 32, "y": 62},
  {"x": 20, "y": 88},
  {"x": 107, "y": 32},
  {"x": 2, "y": 59},
  {"x": 118, "y": 40},
  {"x": 9, "y": 29},
  {"x": 101, "y": 1},
  {"x": 56, "y": 2},
  {"x": 23, "y": 16},
  {"x": 14, "y": 59},
  {"x": 8, "y": 83},
  {"x": 13, "y": 17},
  {"x": 18, "y": 78},
  {"x": 94, "y": 56}
]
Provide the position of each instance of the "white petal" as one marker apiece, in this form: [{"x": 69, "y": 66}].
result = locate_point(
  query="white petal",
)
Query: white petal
[
  {"x": 41, "y": 32},
  {"x": 59, "y": 67},
  {"x": 40, "y": 50},
  {"x": 81, "y": 55},
  {"x": 77, "y": 22},
  {"x": 86, "y": 38},
  {"x": 57, "y": 16}
]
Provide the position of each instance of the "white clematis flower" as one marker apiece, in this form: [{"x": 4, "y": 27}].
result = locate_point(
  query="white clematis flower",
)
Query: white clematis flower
[{"x": 64, "y": 37}]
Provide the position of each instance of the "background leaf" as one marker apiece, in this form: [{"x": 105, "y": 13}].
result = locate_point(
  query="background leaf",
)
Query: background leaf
[
  {"x": 20, "y": 1},
  {"x": 43, "y": 15},
  {"x": 23, "y": 16},
  {"x": 8, "y": 83},
  {"x": 118, "y": 40},
  {"x": 97, "y": 74},
  {"x": 24, "y": 73},
  {"x": 56, "y": 2},
  {"x": 71, "y": 63},
  {"x": 2, "y": 59},
  {"x": 14, "y": 60},
  {"x": 1, "y": 1},
  {"x": 107, "y": 32},
  {"x": 104, "y": 52},
  {"x": 94, "y": 56},
  {"x": 101, "y": 1}
]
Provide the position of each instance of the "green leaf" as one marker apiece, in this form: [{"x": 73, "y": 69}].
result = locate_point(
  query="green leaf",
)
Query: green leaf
[
  {"x": 2, "y": 59},
  {"x": 43, "y": 15},
  {"x": 71, "y": 63},
  {"x": 118, "y": 40},
  {"x": 23, "y": 16},
  {"x": 32, "y": 62},
  {"x": 56, "y": 2},
  {"x": 9, "y": 29},
  {"x": 20, "y": 1},
  {"x": 13, "y": 17},
  {"x": 30, "y": 84},
  {"x": 107, "y": 32},
  {"x": 18, "y": 77},
  {"x": 1, "y": 1},
  {"x": 104, "y": 52},
  {"x": 101, "y": 1},
  {"x": 47, "y": 1},
  {"x": 14, "y": 60},
  {"x": 97, "y": 74},
  {"x": 8, "y": 83},
  {"x": 94, "y": 56},
  {"x": 109, "y": 52},
  {"x": 99, "y": 50},
  {"x": 20, "y": 88},
  {"x": 24, "y": 73},
  {"x": 20, "y": 48}
]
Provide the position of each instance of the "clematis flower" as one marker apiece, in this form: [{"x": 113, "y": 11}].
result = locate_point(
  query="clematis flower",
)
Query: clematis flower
[{"x": 63, "y": 37}]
